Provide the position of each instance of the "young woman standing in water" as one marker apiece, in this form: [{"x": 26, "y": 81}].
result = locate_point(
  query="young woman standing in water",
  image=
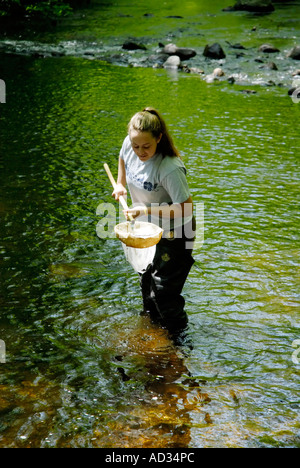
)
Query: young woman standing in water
[{"x": 151, "y": 167}]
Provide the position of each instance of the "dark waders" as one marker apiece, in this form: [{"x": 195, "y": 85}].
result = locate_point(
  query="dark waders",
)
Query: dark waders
[{"x": 163, "y": 281}]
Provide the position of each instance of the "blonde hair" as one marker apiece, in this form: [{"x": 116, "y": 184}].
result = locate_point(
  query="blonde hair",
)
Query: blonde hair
[{"x": 150, "y": 120}]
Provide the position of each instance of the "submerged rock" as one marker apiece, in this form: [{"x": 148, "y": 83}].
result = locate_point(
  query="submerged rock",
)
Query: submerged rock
[
  {"x": 268, "y": 49},
  {"x": 248, "y": 91},
  {"x": 236, "y": 46},
  {"x": 157, "y": 60},
  {"x": 271, "y": 66},
  {"x": 214, "y": 51},
  {"x": 295, "y": 53}
]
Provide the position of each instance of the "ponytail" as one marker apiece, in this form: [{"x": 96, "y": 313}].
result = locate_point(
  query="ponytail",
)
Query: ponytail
[{"x": 150, "y": 120}]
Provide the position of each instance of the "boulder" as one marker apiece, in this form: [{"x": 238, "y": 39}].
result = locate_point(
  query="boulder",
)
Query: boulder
[
  {"x": 268, "y": 49},
  {"x": 269, "y": 66},
  {"x": 157, "y": 59},
  {"x": 295, "y": 53},
  {"x": 173, "y": 62},
  {"x": 196, "y": 70},
  {"x": 215, "y": 75},
  {"x": 183, "y": 52},
  {"x": 296, "y": 73},
  {"x": 214, "y": 51},
  {"x": 132, "y": 45},
  {"x": 257, "y": 6},
  {"x": 272, "y": 66},
  {"x": 218, "y": 72},
  {"x": 294, "y": 92}
]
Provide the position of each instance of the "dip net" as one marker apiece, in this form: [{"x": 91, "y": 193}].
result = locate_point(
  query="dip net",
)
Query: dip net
[
  {"x": 139, "y": 259},
  {"x": 139, "y": 241}
]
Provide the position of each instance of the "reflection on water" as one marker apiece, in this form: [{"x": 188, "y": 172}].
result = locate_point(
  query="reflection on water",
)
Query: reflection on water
[
  {"x": 83, "y": 368},
  {"x": 149, "y": 401},
  {"x": 163, "y": 393}
]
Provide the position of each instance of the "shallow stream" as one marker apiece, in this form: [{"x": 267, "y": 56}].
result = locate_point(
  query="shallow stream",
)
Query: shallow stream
[{"x": 83, "y": 367}]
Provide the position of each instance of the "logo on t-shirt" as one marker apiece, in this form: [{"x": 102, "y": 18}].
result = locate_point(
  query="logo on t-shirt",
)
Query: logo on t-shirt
[{"x": 149, "y": 186}]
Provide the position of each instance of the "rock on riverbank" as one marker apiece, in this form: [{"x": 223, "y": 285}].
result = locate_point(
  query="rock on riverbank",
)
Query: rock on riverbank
[
  {"x": 239, "y": 65},
  {"x": 183, "y": 53},
  {"x": 257, "y": 6},
  {"x": 295, "y": 53},
  {"x": 214, "y": 51}
]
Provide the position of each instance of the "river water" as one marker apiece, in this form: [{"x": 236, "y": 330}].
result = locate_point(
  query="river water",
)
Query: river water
[{"x": 82, "y": 367}]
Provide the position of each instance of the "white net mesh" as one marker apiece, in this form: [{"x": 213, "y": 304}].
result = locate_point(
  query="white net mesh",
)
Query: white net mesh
[{"x": 139, "y": 259}]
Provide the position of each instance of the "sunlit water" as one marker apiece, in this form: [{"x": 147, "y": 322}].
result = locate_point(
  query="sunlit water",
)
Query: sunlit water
[{"x": 83, "y": 368}]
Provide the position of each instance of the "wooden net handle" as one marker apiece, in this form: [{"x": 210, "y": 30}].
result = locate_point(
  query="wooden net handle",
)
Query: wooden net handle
[{"x": 113, "y": 183}]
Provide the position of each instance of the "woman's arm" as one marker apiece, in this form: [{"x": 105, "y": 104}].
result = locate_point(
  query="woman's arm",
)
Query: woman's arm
[
  {"x": 176, "y": 210},
  {"x": 121, "y": 181}
]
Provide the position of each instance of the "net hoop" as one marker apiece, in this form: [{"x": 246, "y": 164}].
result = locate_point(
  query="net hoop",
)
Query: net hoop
[{"x": 141, "y": 236}]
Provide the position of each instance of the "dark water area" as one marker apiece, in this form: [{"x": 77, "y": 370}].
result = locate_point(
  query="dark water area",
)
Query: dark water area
[{"x": 82, "y": 367}]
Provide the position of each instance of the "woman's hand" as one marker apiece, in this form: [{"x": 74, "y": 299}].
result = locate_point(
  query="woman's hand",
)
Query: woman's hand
[
  {"x": 119, "y": 191},
  {"x": 133, "y": 213}
]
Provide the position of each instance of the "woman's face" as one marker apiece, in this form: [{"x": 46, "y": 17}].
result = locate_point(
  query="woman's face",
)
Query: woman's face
[{"x": 144, "y": 144}]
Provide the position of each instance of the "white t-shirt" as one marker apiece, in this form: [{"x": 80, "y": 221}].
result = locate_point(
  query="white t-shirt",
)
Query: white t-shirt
[{"x": 160, "y": 180}]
